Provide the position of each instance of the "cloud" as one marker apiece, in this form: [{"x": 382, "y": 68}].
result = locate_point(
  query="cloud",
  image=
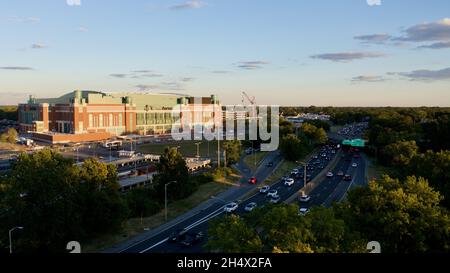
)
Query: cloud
[
  {"x": 251, "y": 65},
  {"x": 38, "y": 46},
  {"x": 425, "y": 32},
  {"x": 427, "y": 75},
  {"x": 374, "y": 38},
  {"x": 187, "y": 79},
  {"x": 16, "y": 68},
  {"x": 73, "y": 2},
  {"x": 348, "y": 56},
  {"x": 194, "y": 4},
  {"x": 373, "y": 2},
  {"x": 151, "y": 75},
  {"x": 439, "y": 45},
  {"x": 82, "y": 29},
  {"x": 220, "y": 71},
  {"x": 141, "y": 71},
  {"x": 120, "y": 76},
  {"x": 146, "y": 87},
  {"x": 368, "y": 78},
  {"x": 18, "y": 19},
  {"x": 171, "y": 85}
]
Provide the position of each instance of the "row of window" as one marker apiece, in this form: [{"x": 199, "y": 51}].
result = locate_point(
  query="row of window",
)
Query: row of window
[{"x": 101, "y": 120}]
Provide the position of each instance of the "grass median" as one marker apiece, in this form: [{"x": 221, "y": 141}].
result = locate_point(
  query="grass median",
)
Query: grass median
[{"x": 250, "y": 160}]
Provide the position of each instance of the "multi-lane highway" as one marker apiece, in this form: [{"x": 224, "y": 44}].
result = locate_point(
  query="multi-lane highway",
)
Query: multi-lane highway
[{"x": 328, "y": 190}]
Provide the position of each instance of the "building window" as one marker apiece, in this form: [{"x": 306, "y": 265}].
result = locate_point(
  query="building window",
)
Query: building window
[
  {"x": 110, "y": 120},
  {"x": 91, "y": 121},
  {"x": 100, "y": 117},
  {"x": 120, "y": 119},
  {"x": 80, "y": 126}
]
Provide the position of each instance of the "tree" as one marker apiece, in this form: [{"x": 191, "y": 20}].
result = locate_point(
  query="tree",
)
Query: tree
[
  {"x": 399, "y": 154},
  {"x": 404, "y": 216},
  {"x": 10, "y": 136},
  {"x": 232, "y": 150},
  {"x": 315, "y": 135},
  {"x": 291, "y": 147},
  {"x": 172, "y": 167},
  {"x": 142, "y": 202},
  {"x": 231, "y": 234}
]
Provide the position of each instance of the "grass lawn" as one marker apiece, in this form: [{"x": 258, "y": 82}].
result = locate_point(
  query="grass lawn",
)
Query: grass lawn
[
  {"x": 187, "y": 148},
  {"x": 135, "y": 226},
  {"x": 250, "y": 160}
]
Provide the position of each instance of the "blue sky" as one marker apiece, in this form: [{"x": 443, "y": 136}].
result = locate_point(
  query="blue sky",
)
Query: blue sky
[{"x": 286, "y": 52}]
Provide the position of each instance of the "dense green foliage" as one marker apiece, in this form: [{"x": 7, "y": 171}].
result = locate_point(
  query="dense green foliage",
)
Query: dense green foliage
[
  {"x": 404, "y": 216},
  {"x": 10, "y": 136},
  {"x": 8, "y": 112},
  {"x": 232, "y": 149}
]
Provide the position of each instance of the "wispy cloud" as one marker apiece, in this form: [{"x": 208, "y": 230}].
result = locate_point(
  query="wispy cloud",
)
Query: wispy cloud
[
  {"x": 425, "y": 32},
  {"x": 439, "y": 45},
  {"x": 194, "y": 4},
  {"x": 38, "y": 46},
  {"x": 147, "y": 87},
  {"x": 16, "y": 68},
  {"x": 170, "y": 85},
  {"x": 368, "y": 78},
  {"x": 18, "y": 19},
  {"x": 82, "y": 29},
  {"x": 251, "y": 65},
  {"x": 374, "y": 38},
  {"x": 220, "y": 71},
  {"x": 187, "y": 79},
  {"x": 348, "y": 56},
  {"x": 426, "y": 75},
  {"x": 117, "y": 75},
  {"x": 73, "y": 2}
]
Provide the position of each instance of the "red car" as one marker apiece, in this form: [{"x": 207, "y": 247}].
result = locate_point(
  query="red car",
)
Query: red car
[
  {"x": 252, "y": 180},
  {"x": 347, "y": 177}
]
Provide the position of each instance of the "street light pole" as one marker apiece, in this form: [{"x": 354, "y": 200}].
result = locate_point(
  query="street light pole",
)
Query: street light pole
[
  {"x": 10, "y": 238},
  {"x": 198, "y": 151},
  {"x": 165, "y": 197}
]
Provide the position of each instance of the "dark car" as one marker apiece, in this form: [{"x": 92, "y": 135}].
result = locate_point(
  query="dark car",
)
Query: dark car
[
  {"x": 177, "y": 235},
  {"x": 347, "y": 177},
  {"x": 252, "y": 180},
  {"x": 191, "y": 238},
  {"x": 270, "y": 164}
]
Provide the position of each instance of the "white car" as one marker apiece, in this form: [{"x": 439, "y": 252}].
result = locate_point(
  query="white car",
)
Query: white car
[
  {"x": 289, "y": 182},
  {"x": 250, "y": 206},
  {"x": 275, "y": 199},
  {"x": 264, "y": 189},
  {"x": 231, "y": 207},
  {"x": 303, "y": 211},
  {"x": 329, "y": 174},
  {"x": 272, "y": 193},
  {"x": 295, "y": 172},
  {"x": 305, "y": 198},
  {"x": 354, "y": 165}
]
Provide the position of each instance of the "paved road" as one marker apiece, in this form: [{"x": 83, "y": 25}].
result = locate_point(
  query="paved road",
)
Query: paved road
[{"x": 195, "y": 221}]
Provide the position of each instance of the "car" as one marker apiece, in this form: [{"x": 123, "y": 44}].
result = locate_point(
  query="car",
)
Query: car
[
  {"x": 304, "y": 198},
  {"x": 356, "y": 156},
  {"x": 272, "y": 193},
  {"x": 289, "y": 182},
  {"x": 275, "y": 199},
  {"x": 249, "y": 151},
  {"x": 354, "y": 165},
  {"x": 329, "y": 174},
  {"x": 231, "y": 207},
  {"x": 308, "y": 177},
  {"x": 295, "y": 172},
  {"x": 284, "y": 178},
  {"x": 270, "y": 164},
  {"x": 315, "y": 157},
  {"x": 190, "y": 238},
  {"x": 340, "y": 173},
  {"x": 253, "y": 180},
  {"x": 321, "y": 167},
  {"x": 177, "y": 235},
  {"x": 303, "y": 211},
  {"x": 333, "y": 151},
  {"x": 347, "y": 177},
  {"x": 250, "y": 206},
  {"x": 264, "y": 189}
]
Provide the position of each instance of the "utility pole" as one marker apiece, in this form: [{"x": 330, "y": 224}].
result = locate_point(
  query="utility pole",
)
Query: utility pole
[{"x": 198, "y": 149}]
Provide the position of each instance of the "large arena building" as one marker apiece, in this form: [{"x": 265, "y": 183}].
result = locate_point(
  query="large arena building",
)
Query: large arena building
[{"x": 92, "y": 116}]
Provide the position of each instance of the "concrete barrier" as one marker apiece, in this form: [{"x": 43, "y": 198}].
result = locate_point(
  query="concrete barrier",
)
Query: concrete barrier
[{"x": 316, "y": 181}]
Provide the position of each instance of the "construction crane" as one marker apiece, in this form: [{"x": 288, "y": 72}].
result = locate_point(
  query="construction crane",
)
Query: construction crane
[{"x": 252, "y": 100}]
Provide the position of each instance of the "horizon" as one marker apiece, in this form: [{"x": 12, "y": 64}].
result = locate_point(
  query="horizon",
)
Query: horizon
[{"x": 290, "y": 53}]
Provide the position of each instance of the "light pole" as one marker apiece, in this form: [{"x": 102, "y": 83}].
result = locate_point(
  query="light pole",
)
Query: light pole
[
  {"x": 304, "y": 172},
  {"x": 165, "y": 197},
  {"x": 146, "y": 113},
  {"x": 198, "y": 149},
  {"x": 10, "y": 239}
]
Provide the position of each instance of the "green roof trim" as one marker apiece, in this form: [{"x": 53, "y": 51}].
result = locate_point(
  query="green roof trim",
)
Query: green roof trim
[{"x": 354, "y": 142}]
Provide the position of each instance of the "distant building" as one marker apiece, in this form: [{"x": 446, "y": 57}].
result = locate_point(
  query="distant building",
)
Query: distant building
[{"x": 92, "y": 116}]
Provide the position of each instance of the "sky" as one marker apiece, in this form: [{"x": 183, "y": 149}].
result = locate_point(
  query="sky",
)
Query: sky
[{"x": 282, "y": 52}]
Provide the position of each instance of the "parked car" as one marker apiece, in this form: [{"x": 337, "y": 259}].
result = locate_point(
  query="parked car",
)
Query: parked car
[
  {"x": 231, "y": 207},
  {"x": 264, "y": 189},
  {"x": 250, "y": 206},
  {"x": 289, "y": 182}
]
